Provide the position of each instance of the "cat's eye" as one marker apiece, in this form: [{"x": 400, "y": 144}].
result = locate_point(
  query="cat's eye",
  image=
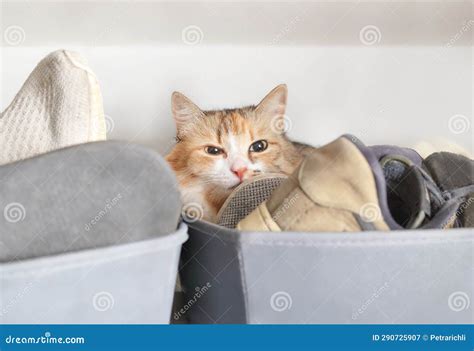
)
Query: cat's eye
[
  {"x": 258, "y": 146},
  {"x": 214, "y": 150}
]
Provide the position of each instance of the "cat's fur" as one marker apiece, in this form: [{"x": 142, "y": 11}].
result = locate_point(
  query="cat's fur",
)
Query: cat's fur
[{"x": 206, "y": 180}]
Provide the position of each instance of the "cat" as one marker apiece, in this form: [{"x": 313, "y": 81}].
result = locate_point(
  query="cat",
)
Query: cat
[{"x": 217, "y": 150}]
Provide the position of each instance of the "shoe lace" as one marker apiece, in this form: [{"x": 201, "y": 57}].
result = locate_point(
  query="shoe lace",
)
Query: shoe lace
[{"x": 441, "y": 199}]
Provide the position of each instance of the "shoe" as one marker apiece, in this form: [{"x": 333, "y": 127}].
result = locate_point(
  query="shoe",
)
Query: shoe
[
  {"x": 453, "y": 173},
  {"x": 246, "y": 197},
  {"x": 347, "y": 186}
]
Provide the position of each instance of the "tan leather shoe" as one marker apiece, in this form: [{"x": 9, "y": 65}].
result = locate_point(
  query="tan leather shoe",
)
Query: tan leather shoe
[
  {"x": 347, "y": 186},
  {"x": 316, "y": 196}
]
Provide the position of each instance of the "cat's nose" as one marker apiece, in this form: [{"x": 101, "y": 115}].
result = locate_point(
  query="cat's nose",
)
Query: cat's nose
[{"x": 239, "y": 172}]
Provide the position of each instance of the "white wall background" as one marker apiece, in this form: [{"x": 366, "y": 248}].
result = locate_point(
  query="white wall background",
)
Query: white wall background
[{"x": 405, "y": 88}]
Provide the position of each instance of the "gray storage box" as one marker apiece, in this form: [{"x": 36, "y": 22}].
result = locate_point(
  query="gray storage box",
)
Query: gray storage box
[
  {"x": 367, "y": 277},
  {"x": 128, "y": 283}
]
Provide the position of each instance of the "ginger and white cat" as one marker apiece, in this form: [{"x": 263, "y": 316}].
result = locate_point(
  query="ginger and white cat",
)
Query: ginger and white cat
[{"x": 217, "y": 150}]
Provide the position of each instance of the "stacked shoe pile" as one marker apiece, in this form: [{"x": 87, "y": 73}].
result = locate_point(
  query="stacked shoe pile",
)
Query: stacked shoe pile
[{"x": 347, "y": 186}]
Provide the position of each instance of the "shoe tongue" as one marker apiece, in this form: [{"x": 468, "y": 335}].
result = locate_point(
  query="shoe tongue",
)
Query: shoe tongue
[
  {"x": 454, "y": 173},
  {"x": 246, "y": 197},
  {"x": 407, "y": 195}
]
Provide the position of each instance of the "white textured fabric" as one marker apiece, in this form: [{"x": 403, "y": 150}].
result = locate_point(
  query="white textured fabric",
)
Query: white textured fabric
[{"x": 59, "y": 105}]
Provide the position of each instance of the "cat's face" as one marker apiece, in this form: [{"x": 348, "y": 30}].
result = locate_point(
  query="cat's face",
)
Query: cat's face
[{"x": 225, "y": 147}]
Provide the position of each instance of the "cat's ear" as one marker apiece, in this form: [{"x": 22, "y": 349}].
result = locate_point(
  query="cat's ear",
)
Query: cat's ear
[
  {"x": 274, "y": 104},
  {"x": 184, "y": 111}
]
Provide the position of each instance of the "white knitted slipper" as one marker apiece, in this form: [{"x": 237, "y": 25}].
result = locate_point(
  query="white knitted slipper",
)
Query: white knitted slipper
[{"x": 59, "y": 105}]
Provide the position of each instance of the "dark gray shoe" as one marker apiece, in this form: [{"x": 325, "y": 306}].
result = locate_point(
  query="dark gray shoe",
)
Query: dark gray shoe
[
  {"x": 454, "y": 175},
  {"x": 432, "y": 193}
]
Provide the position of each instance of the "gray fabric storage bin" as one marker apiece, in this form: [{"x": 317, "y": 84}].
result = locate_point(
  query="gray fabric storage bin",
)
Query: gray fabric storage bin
[
  {"x": 128, "y": 283},
  {"x": 88, "y": 235},
  {"x": 368, "y": 277}
]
